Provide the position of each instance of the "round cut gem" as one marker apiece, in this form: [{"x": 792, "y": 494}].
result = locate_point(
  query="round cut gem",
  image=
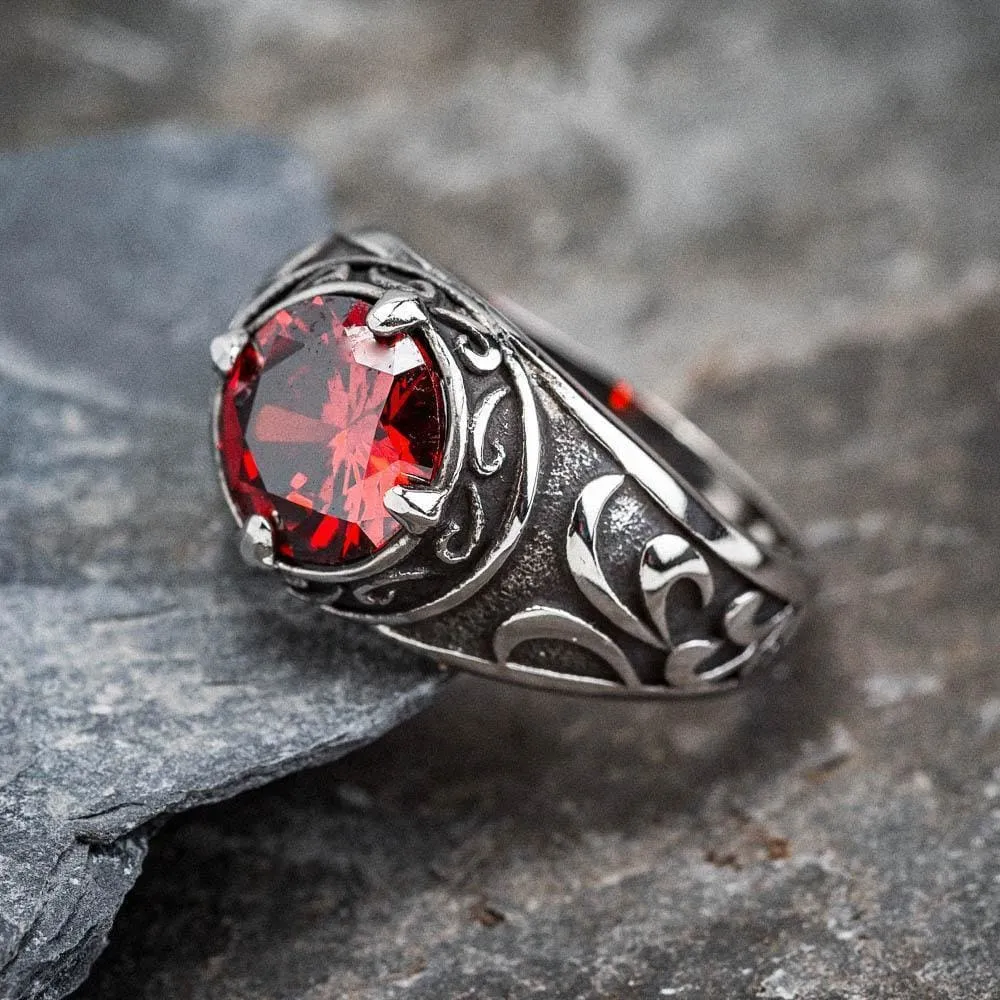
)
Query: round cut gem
[{"x": 319, "y": 419}]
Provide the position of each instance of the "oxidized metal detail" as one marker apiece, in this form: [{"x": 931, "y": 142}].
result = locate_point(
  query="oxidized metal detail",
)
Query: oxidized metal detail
[
  {"x": 541, "y": 622},
  {"x": 667, "y": 560},
  {"x": 555, "y": 547},
  {"x": 474, "y": 530},
  {"x": 584, "y": 561},
  {"x": 487, "y": 466}
]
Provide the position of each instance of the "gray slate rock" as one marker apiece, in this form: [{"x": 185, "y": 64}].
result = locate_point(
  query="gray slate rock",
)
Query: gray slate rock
[
  {"x": 143, "y": 670},
  {"x": 836, "y": 835}
]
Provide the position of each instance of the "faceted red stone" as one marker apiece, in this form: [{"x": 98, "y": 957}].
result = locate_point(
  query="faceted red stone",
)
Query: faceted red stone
[{"x": 319, "y": 419}]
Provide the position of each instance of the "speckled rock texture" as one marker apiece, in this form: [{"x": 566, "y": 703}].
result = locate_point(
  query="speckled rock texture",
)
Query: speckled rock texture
[
  {"x": 786, "y": 218},
  {"x": 834, "y": 835},
  {"x": 142, "y": 669},
  {"x": 706, "y": 184}
]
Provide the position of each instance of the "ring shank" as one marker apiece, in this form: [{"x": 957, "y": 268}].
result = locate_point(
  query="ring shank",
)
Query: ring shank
[{"x": 592, "y": 540}]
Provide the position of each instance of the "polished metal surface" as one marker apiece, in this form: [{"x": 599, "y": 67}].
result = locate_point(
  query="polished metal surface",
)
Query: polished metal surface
[{"x": 561, "y": 545}]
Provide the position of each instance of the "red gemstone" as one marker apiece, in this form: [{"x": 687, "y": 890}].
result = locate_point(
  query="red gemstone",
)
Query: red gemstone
[{"x": 319, "y": 419}]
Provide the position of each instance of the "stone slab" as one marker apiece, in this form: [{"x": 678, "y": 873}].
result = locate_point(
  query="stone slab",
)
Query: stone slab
[
  {"x": 143, "y": 670},
  {"x": 835, "y": 835}
]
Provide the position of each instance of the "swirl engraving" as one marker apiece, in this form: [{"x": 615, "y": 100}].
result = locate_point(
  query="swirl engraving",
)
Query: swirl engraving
[
  {"x": 665, "y": 562},
  {"x": 443, "y": 546},
  {"x": 541, "y": 622},
  {"x": 480, "y": 425},
  {"x": 691, "y": 664},
  {"x": 485, "y": 359},
  {"x": 382, "y": 592}
]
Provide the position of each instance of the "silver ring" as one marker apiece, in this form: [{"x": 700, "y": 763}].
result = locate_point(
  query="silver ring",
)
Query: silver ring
[{"x": 401, "y": 451}]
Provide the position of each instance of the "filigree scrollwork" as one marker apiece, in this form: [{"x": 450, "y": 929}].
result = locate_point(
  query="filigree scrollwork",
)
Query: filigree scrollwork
[
  {"x": 666, "y": 561},
  {"x": 480, "y": 425},
  {"x": 381, "y": 278},
  {"x": 443, "y": 548},
  {"x": 381, "y": 592},
  {"x": 541, "y": 622},
  {"x": 474, "y": 345},
  {"x": 481, "y": 357}
]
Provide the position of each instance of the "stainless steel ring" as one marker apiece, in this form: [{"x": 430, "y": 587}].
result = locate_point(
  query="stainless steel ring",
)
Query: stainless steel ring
[{"x": 573, "y": 536}]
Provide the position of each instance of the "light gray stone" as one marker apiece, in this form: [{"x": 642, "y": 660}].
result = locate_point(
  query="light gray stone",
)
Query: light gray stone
[
  {"x": 144, "y": 669},
  {"x": 708, "y": 185},
  {"x": 834, "y": 835}
]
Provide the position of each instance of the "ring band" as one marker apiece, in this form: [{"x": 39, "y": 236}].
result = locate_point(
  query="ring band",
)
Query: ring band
[{"x": 404, "y": 452}]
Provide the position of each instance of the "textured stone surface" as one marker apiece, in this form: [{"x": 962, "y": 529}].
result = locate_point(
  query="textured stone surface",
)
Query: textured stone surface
[
  {"x": 746, "y": 180},
  {"x": 835, "y": 836},
  {"x": 143, "y": 669},
  {"x": 701, "y": 188}
]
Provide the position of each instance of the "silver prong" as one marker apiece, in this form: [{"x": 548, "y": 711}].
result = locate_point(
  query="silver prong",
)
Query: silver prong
[
  {"x": 398, "y": 309},
  {"x": 257, "y": 542},
  {"x": 416, "y": 510},
  {"x": 226, "y": 349}
]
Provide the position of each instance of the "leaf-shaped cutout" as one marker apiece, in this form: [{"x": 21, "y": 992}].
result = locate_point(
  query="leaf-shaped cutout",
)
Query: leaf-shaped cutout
[
  {"x": 581, "y": 555},
  {"x": 666, "y": 561},
  {"x": 540, "y": 622}
]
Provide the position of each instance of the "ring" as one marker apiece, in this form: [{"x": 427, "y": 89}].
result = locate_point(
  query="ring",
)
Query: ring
[{"x": 404, "y": 452}]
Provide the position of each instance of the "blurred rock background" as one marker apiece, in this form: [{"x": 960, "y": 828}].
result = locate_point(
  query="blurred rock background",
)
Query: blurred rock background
[
  {"x": 706, "y": 184},
  {"x": 783, "y": 216}
]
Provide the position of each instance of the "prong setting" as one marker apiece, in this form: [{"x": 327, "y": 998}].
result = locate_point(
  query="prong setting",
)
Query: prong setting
[
  {"x": 257, "y": 542},
  {"x": 417, "y": 510},
  {"x": 398, "y": 309},
  {"x": 225, "y": 349}
]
